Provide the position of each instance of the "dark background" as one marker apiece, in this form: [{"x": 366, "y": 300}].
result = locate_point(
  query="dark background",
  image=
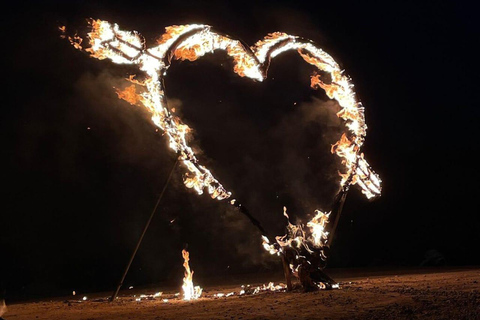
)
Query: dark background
[{"x": 83, "y": 169}]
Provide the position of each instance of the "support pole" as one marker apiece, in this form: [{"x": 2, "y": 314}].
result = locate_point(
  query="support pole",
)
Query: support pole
[
  {"x": 255, "y": 222},
  {"x": 338, "y": 205},
  {"x": 115, "y": 294},
  {"x": 337, "y": 210},
  {"x": 287, "y": 273}
]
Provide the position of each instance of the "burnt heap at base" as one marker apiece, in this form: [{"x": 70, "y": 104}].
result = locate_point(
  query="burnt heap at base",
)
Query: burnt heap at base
[
  {"x": 309, "y": 271},
  {"x": 305, "y": 260}
]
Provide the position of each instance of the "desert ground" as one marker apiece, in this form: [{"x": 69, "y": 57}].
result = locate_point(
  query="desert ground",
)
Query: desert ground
[{"x": 436, "y": 293}]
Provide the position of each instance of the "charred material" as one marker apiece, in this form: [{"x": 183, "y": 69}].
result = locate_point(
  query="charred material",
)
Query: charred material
[
  {"x": 305, "y": 259},
  {"x": 306, "y": 262}
]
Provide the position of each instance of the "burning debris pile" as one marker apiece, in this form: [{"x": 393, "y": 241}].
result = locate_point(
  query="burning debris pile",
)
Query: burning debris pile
[
  {"x": 304, "y": 252},
  {"x": 304, "y": 249}
]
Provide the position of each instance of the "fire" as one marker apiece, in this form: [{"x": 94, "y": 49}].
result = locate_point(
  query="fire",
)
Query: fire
[
  {"x": 129, "y": 94},
  {"x": 190, "y": 292},
  {"x": 303, "y": 250},
  {"x": 317, "y": 228},
  {"x": 297, "y": 237},
  {"x": 190, "y": 42}
]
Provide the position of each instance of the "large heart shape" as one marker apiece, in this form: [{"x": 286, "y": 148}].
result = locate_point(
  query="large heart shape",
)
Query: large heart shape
[{"x": 189, "y": 42}]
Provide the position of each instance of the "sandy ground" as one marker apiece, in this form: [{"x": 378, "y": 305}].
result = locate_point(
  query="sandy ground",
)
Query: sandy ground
[{"x": 401, "y": 294}]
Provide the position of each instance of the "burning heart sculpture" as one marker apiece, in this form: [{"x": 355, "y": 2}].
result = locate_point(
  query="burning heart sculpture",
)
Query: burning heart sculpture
[{"x": 190, "y": 42}]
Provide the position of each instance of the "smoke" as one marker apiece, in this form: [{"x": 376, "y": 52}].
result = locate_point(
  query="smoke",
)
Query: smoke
[
  {"x": 128, "y": 127},
  {"x": 307, "y": 166},
  {"x": 269, "y": 143}
]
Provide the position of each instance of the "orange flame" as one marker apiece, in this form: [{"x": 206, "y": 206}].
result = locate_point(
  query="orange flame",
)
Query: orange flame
[
  {"x": 190, "y": 292},
  {"x": 129, "y": 94}
]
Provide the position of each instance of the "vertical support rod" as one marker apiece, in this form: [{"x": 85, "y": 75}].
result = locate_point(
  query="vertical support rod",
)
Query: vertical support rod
[
  {"x": 339, "y": 202},
  {"x": 115, "y": 294},
  {"x": 288, "y": 273},
  {"x": 337, "y": 210}
]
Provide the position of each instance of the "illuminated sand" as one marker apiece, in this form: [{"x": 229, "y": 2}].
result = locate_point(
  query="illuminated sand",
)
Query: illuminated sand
[{"x": 401, "y": 294}]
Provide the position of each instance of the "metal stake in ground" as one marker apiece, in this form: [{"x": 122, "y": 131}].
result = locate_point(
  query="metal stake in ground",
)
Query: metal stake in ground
[{"x": 114, "y": 296}]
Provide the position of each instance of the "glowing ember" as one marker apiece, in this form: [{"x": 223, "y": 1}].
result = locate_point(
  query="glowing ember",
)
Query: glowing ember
[
  {"x": 270, "y": 287},
  {"x": 148, "y": 296},
  {"x": 190, "y": 292}
]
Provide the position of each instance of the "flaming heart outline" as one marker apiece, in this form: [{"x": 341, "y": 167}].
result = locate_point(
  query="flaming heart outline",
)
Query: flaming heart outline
[{"x": 189, "y": 42}]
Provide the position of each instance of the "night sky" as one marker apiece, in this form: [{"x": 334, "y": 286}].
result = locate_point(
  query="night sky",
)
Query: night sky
[{"x": 83, "y": 169}]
